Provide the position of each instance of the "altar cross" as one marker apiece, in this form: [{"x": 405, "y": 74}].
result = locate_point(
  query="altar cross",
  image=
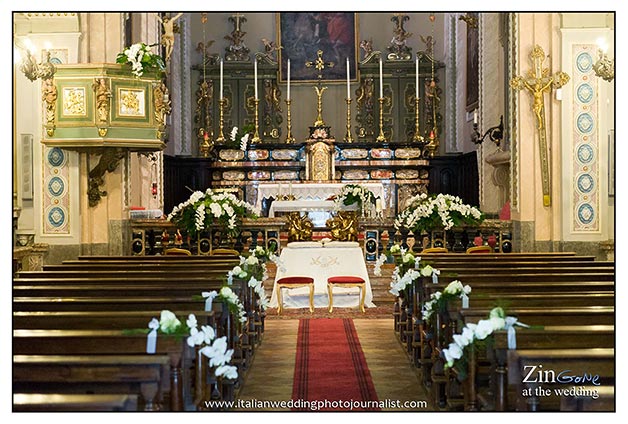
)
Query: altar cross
[
  {"x": 537, "y": 82},
  {"x": 320, "y": 65},
  {"x": 236, "y": 18}
]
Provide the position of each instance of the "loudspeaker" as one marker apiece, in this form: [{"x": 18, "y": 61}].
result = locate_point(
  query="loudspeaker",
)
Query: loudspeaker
[
  {"x": 371, "y": 244},
  {"x": 138, "y": 242}
]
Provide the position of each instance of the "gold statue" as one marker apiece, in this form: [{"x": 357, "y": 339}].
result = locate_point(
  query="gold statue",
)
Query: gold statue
[
  {"x": 299, "y": 227},
  {"x": 344, "y": 226}
]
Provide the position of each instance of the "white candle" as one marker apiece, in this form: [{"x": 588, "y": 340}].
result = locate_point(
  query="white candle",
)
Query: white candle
[
  {"x": 348, "y": 80},
  {"x": 290, "y": 188},
  {"x": 381, "y": 79},
  {"x": 378, "y": 205},
  {"x": 475, "y": 116},
  {"x": 279, "y": 189},
  {"x": 416, "y": 77},
  {"x": 255, "y": 76},
  {"x": 288, "y": 79},
  {"x": 220, "y": 78}
]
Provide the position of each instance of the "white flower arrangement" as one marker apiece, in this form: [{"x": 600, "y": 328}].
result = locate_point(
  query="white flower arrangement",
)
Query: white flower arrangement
[
  {"x": 213, "y": 348},
  {"x": 425, "y": 213},
  {"x": 203, "y": 209},
  {"x": 455, "y": 289},
  {"x": 377, "y": 270},
  {"x": 253, "y": 270},
  {"x": 454, "y": 354},
  {"x": 140, "y": 57},
  {"x": 354, "y": 193}
]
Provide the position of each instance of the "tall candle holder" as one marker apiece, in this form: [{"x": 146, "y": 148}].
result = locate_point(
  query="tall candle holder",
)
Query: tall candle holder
[
  {"x": 289, "y": 137},
  {"x": 348, "y": 138},
  {"x": 381, "y": 137},
  {"x": 417, "y": 133},
  {"x": 256, "y": 138},
  {"x": 221, "y": 122}
]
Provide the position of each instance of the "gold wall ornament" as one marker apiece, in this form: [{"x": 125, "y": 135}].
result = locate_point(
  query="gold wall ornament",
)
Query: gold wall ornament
[
  {"x": 604, "y": 67},
  {"x": 537, "y": 82},
  {"x": 319, "y": 106},
  {"x": 74, "y": 101},
  {"x": 162, "y": 106},
  {"x": 398, "y": 48},
  {"x": 299, "y": 227},
  {"x": 102, "y": 99},
  {"x": 344, "y": 226},
  {"x": 49, "y": 96}
]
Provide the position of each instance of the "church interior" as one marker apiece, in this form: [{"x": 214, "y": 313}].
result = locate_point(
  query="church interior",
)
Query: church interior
[{"x": 375, "y": 211}]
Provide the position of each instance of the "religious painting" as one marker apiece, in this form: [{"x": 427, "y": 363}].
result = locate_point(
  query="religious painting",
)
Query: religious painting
[
  {"x": 473, "y": 74},
  {"x": 303, "y": 34}
]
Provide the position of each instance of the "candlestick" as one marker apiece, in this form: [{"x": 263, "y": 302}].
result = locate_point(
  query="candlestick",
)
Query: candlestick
[
  {"x": 348, "y": 80},
  {"x": 381, "y": 79},
  {"x": 256, "y": 138},
  {"x": 221, "y": 122},
  {"x": 417, "y": 132},
  {"x": 381, "y": 137},
  {"x": 280, "y": 190},
  {"x": 221, "y": 79},
  {"x": 348, "y": 138},
  {"x": 288, "y": 97},
  {"x": 289, "y": 137},
  {"x": 416, "y": 78},
  {"x": 255, "y": 77}
]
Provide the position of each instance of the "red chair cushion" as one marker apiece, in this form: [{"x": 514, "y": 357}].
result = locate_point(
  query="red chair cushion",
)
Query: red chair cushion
[
  {"x": 295, "y": 280},
  {"x": 345, "y": 279}
]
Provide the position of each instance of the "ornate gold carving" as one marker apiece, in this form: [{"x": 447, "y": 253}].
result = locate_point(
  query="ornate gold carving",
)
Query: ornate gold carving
[
  {"x": 348, "y": 138},
  {"x": 319, "y": 106},
  {"x": 102, "y": 98},
  {"x": 74, "y": 101},
  {"x": 49, "y": 96},
  {"x": 398, "y": 48},
  {"x": 364, "y": 102},
  {"x": 256, "y": 138},
  {"x": 381, "y": 136},
  {"x": 344, "y": 226},
  {"x": 161, "y": 101},
  {"x": 130, "y": 103},
  {"x": 320, "y": 161},
  {"x": 237, "y": 51},
  {"x": 289, "y": 137},
  {"x": 319, "y": 64},
  {"x": 538, "y": 81},
  {"x": 299, "y": 227}
]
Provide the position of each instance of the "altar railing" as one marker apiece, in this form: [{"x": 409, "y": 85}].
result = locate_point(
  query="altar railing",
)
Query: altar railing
[{"x": 154, "y": 236}]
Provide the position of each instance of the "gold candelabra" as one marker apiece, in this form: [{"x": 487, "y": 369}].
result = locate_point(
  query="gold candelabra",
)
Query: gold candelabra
[
  {"x": 256, "y": 138},
  {"x": 289, "y": 137},
  {"x": 417, "y": 133},
  {"x": 221, "y": 123},
  {"x": 348, "y": 138},
  {"x": 381, "y": 137}
]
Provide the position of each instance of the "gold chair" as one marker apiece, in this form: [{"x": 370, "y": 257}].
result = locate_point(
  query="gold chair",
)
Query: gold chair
[
  {"x": 231, "y": 252},
  {"x": 177, "y": 251},
  {"x": 294, "y": 282},
  {"x": 480, "y": 249},
  {"x": 435, "y": 250}
]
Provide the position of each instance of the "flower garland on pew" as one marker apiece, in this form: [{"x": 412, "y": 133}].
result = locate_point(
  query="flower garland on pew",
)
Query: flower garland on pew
[
  {"x": 475, "y": 335},
  {"x": 426, "y": 213},
  {"x": 439, "y": 300},
  {"x": 215, "y": 349},
  {"x": 407, "y": 270}
]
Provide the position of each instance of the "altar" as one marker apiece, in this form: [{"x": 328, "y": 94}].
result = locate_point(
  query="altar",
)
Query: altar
[
  {"x": 313, "y": 259},
  {"x": 309, "y": 191}
]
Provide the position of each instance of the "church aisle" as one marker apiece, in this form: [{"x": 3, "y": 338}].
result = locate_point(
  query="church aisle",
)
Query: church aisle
[{"x": 271, "y": 375}]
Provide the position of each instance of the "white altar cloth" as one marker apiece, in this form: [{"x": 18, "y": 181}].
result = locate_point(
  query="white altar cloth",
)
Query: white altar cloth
[
  {"x": 321, "y": 263},
  {"x": 309, "y": 191}
]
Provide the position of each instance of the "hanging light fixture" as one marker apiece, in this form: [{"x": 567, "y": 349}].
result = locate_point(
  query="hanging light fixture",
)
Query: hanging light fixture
[{"x": 604, "y": 67}]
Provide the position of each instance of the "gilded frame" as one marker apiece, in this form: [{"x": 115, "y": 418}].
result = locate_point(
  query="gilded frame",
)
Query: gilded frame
[{"x": 337, "y": 36}]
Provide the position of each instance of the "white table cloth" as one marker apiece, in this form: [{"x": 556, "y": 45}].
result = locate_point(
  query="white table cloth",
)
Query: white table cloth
[{"x": 321, "y": 263}]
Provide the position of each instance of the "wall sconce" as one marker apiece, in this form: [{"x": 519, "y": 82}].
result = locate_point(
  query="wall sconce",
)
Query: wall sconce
[
  {"x": 604, "y": 67},
  {"x": 496, "y": 133},
  {"x": 33, "y": 70},
  {"x": 469, "y": 19}
]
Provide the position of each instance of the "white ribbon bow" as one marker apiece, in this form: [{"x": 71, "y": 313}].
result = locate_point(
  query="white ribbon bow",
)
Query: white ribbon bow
[
  {"x": 465, "y": 300},
  {"x": 511, "y": 322},
  {"x": 209, "y": 298},
  {"x": 151, "y": 339},
  {"x": 435, "y": 274}
]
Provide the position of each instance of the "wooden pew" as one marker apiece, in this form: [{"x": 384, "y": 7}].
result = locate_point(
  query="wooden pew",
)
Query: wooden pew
[
  {"x": 39, "y": 402},
  {"x": 145, "y": 376},
  {"x": 110, "y": 342},
  {"x": 580, "y": 361},
  {"x": 583, "y": 315}
]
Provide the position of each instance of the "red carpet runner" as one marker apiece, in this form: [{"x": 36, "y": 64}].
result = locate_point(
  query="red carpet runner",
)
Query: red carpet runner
[{"x": 330, "y": 366}]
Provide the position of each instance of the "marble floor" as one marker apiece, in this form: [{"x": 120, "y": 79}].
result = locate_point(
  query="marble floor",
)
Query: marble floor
[{"x": 395, "y": 379}]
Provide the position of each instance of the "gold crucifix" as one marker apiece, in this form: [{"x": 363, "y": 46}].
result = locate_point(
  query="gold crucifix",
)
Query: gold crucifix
[
  {"x": 320, "y": 65},
  {"x": 537, "y": 82}
]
